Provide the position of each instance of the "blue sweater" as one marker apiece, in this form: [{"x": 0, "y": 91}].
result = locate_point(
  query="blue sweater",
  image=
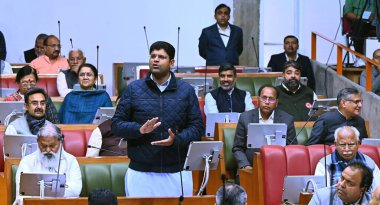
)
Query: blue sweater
[
  {"x": 176, "y": 107},
  {"x": 79, "y": 107}
]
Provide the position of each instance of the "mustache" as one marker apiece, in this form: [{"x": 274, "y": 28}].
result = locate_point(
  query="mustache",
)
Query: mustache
[{"x": 38, "y": 110}]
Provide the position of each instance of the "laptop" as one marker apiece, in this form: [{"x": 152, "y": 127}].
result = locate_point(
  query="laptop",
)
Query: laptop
[
  {"x": 7, "y": 108},
  {"x": 371, "y": 141},
  {"x": 213, "y": 118},
  {"x": 103, "y": 114},
  {"x": 294, "y": 185},
  {"x": 29, "y": 184},
  {"x": 19, "y": 145},
  {"x": 266, "y": 134}
]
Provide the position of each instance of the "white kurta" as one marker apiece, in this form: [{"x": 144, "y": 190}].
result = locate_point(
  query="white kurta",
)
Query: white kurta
[
  {"x": 152, "y": 184},
  {"x": 69, "y": 165}
]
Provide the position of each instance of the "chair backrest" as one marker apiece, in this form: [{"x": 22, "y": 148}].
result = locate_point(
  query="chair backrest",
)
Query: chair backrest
[{"x": 278, "y": 162}]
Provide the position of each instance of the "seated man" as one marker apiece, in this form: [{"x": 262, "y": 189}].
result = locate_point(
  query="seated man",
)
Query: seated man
[
  {"x": 277, "y": 61},
  {"x": 375, "y": 71},
  {"x": 346, "y": 151},
  {"x": 48, "y": 157},
  {"x": 34, "y": 117},
  {"x": 352, "y": 187},
  {"x": 295, "y": 98},
  {"x": 231, "y": 194},
  {"x": 38, "y": 49},
  {"x": 103, "y": 137},
  {"x": 228, "y": 98},
  {"x": 375, "y": 197},
  {"x": 349, "y": 106},
  {"x": 27, "y": 78},
  {"x": 267, "y": 113},
  {"x": 51, "y": 62},
  {"x": 66, "y": 79}
]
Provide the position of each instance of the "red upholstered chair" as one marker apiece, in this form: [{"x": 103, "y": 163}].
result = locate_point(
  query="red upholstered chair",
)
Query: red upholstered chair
[
  {"x": 316, "y": 152},
  {"x": 273, "y": 158},
  {"x": 371, "y": 151},
  {"x": 296, "y": 158},
  {"x": 75, "y": 142}
]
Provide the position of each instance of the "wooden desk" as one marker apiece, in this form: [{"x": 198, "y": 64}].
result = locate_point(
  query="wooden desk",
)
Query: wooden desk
[
  {"x": 353, "y": 74},
  {"x": 205, "y": 200}
]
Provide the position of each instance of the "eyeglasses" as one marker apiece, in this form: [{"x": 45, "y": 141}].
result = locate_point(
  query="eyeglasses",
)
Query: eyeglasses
[
  {"x": 350, "y": 145},
  {"x": 86, "y": 74},
  {"x": 26, "y": 83},
  {"x": 35, "y": 103},
  {"x": 76, "y": 59},
  {"x": 355, "y": 101},
  {"x": 55, "y": 45},
  {"x": 268, "y": 99},
  {"x": 161, "y": 57}
]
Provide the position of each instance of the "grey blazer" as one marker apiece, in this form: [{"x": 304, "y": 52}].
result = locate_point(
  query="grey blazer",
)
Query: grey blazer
[
  {"x": 328, "y": 195},
  {"x": 243, "y": 155}
]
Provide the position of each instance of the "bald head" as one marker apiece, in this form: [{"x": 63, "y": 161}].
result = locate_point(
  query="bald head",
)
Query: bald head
[{"x": 76, "y": 58}]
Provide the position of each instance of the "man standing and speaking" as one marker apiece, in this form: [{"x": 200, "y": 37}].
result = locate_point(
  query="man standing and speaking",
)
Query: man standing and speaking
[{"x": 159, "y": 116}]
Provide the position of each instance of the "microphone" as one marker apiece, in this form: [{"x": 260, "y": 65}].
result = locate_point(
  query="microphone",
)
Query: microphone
[
  {"x": 146, "y": 39},
  {"x": 60, "y": 138},
  {"x": 307, "y": 121},
  {"x": 97, "y": 65},
  {"x": 256, "y": 54},
  {"x": 107, "y": 150},
  {"x": 71, "y": 41},
  {"x": 180, "y": 200},
  {"x": 178, "y": 48},
  {"x": 224, "y": 188},
  {"x": 59, "y": 29}
]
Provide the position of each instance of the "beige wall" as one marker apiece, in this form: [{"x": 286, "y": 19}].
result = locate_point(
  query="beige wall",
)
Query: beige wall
[{"x": 247, "y": 16}]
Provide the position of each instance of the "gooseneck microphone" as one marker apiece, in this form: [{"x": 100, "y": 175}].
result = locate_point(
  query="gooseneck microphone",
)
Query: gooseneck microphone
[
  {"x": 97, "y": 65},
  {"x": 107, "y": 150},
  {"x": 177, "y": 48},
  {"x": 254, "y": 49},
  {"x": 307, "y": 121},
  {"x": 71, "y": 42},
  {"x": 146, "y": 39},
  {"x": 59, "y": 29},
  {"x": 60, "y": 138},
  {"x": 224, "y": 188}
]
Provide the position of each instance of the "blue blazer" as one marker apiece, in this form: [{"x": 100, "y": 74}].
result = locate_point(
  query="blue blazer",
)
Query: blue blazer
[{"x": 212, "y": 49}]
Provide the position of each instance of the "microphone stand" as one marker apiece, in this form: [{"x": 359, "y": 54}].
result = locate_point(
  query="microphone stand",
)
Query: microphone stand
[
  {"x": 59, "y": 29},
  {"x": 256, "y": 54},
  {"x": 178, "y": 49},
  {"x": 59, "y": 165},
  {"x": 180, "y": 199},
  {"x": 224, "y": 188},
  {"x": 146, "y": 39},
  {"x": 97, "y": 65},
  {"x": 110, "y": 151}
]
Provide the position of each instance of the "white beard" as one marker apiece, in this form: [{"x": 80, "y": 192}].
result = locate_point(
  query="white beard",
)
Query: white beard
[{"x": 49, "y": 164}]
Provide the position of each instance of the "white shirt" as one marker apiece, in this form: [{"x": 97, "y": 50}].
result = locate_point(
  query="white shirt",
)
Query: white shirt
[
  {"x": 211, "y": 107},
  {"x": 287, "y": 58},
  {"x": 320, "y": 170},
  {"x": 95, "y": 140},
  {"x": 62, "y": 87},
  {"x": 69, "y": 165},
  {"x": 268, "y": 121},
  {"x": 225, "y": 35}
]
